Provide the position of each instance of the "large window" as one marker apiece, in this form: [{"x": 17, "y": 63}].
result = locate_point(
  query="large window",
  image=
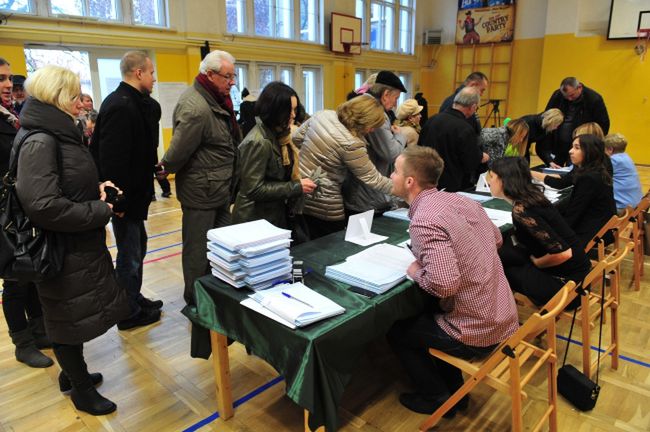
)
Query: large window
[
  {"x": 138, "y": 12},
  {"x": 305, "y": 79},
  {"x": 388, "y": 24},
  {"x": 280, "y": 19}
]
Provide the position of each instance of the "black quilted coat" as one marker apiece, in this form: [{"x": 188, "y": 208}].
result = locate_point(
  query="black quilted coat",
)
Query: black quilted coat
[{"x": 84, "y": 300}]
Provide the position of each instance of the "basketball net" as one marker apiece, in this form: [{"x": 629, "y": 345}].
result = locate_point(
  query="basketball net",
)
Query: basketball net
[{"x": 642, "y": 38}]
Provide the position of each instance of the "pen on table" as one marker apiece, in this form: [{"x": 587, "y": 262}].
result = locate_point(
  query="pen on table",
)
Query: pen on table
[{"x": 287, "y": 295}]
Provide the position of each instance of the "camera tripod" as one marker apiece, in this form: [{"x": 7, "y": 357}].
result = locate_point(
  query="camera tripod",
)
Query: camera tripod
[{"x": 493, "y": 113}]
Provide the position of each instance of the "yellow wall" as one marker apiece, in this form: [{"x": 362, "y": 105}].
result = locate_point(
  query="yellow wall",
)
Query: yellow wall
[
  {"x": 15, "y": 55},
  {"x": 613, "y": 70}
]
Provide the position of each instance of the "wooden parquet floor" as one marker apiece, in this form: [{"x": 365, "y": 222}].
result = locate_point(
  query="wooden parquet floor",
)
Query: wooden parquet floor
[{"x": 158, "y": 387}]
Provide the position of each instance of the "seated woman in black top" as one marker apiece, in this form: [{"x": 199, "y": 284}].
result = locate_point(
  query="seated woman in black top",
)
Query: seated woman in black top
[
  {"x": 591, "y": 203},
  {"x": 544, "y": 253}
]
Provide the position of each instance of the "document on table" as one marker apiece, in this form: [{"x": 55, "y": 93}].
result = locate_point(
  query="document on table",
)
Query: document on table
[
  {"x": 400, "y": 213},
  {"x": 560, "y": 171},
  {"x": 248, "y": 234},
  {"x": 499, "y": 217},
  {"x": 475, "y": 197},
  {"x": 358, "y": 230},
  {"x": 294, "y": 305}
]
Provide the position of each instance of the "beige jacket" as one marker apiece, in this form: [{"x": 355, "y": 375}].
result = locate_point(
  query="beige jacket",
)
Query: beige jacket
[{"x": 324, "y": 142}]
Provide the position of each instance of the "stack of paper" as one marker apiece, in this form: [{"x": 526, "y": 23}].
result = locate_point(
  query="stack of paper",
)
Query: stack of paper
[
  {"x": 499, "y": 217},
  {"x": 475, "y": 197},
  {"x": 294, "y": 305},
  {"x": 377, "y": 269},
  {"x": 560, "y": 171},
  {"x": 400, "y": 213},
  {"x": 253, "y": 254}
]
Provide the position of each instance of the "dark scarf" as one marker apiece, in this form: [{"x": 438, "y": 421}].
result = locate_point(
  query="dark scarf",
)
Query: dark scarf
[{"x": 224, "y": 102}]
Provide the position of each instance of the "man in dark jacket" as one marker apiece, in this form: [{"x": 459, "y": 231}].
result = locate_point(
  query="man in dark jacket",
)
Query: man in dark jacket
[
  {"x": 125, "y": 152},
  {"x": 456, "y": 141},
  {"x": 580, "y": 105},
  {"x": 477, "y": 80}
]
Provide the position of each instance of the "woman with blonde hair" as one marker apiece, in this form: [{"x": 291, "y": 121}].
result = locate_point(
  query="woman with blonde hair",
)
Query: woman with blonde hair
[
  {"x": 541, "y": 128},
  {"x": 59, "y": 189},
  {"x": 331, "y": 144},
  {"x": 591, "y": 128},
  {"x": 408, "y": 120},
  {"x": 508, "y": 140}
]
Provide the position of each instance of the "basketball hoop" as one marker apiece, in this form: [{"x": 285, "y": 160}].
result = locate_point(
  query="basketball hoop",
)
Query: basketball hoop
[
  {"x": 642, "y": 38},
  {"x": 347, "y": 46}
]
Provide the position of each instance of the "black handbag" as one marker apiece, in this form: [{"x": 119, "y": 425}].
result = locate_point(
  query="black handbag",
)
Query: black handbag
[
  {"x": 27, "y": 252},
  {"x": 577, "y": 388}
]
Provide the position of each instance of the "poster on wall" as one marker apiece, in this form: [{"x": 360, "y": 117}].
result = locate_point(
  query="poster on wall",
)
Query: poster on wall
[{"x": 485, "y": 25}]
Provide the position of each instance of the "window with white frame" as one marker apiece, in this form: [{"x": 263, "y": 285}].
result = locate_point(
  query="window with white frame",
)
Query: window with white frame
[
  {"x": 137, "y": 12},
  {"x": 388, "y": 24},
  {"x": 280, "y": 19},
  {"x": 306, "y": 80}
]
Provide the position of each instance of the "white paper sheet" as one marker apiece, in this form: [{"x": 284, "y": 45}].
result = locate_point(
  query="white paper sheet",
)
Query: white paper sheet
[{"x": 358, "y": 230}]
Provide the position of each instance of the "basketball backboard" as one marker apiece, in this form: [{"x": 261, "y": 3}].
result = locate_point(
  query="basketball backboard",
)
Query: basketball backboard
[
  {"x": 345, "y": 34},
  {"x": 626, "y": 17}
]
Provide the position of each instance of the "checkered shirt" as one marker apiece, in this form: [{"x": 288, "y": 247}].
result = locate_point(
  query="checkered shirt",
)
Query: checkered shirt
[{"x": 456, "y": 244}]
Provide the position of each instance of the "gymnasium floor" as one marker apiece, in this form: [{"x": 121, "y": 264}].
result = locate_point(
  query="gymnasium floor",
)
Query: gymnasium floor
[{"x": 157, "y": 386}]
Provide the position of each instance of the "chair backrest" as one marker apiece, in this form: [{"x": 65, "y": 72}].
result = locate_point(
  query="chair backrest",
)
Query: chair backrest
[
  {"x": 541, "y": 320},
  {"x": 613, "y": 261},
  {"x": 615, "y": 224},
  {"x": 595, "y": 273}
]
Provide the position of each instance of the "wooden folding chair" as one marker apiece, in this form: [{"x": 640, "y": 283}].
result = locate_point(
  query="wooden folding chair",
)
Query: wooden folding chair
[
  {"x": 590, "y": 310},
  {"x": 636, "y": 234},
  {"x": 616, "y": 224},
  {"x": 503, "y": 369}
]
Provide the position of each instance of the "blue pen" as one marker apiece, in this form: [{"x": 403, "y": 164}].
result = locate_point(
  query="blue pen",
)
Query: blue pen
[{"x": 287, "y": 295}]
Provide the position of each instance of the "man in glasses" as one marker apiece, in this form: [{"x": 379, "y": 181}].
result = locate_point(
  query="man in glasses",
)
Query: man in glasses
[
  {"x": 580, "y": 105},
  {"x": 202, "y": 153},
  {"x": 124, "y": 149}
]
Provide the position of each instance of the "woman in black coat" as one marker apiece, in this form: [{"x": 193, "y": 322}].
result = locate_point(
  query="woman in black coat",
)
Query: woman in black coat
[
  {"x": 544, "y": 253},
  {"x": 59, "y": 189},
  {"x": 591, "y": 203},
  {"x": 20, "y": 303}
]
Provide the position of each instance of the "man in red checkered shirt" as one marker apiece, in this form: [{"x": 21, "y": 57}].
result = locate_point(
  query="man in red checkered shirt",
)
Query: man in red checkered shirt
[{"x": 455, "y": 246}]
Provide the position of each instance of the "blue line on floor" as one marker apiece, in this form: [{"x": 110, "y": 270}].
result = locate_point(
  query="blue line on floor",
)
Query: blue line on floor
[
  {"x": 153, "y": 236},
  {"x": 622, "y": 357},
  {"x": 213, "y": 417},
  {"x": 159, "y": 249}
]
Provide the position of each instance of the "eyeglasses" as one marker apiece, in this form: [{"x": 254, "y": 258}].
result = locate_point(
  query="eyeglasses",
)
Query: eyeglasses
[{"x": 229, "y": 77}]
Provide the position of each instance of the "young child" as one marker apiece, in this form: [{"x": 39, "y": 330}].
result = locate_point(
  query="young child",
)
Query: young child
[{"x": 627, "y": 187}]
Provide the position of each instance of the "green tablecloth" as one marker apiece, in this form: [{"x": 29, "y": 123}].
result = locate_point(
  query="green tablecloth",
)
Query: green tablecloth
[{"x": 316, "y": 361}]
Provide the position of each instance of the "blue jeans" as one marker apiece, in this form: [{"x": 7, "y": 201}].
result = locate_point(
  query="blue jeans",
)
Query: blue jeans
[
  {"x": 131, "y": 242},
  {"x": 411, "y": 340}
]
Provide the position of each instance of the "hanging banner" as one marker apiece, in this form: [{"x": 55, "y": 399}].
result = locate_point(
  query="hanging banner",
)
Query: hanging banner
[{"x": 485, "y": 25}]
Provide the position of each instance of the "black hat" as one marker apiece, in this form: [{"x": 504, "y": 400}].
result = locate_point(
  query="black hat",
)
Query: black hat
[
  {"x": 390, "y": 79},
  {"x": 18, "y": 80}
]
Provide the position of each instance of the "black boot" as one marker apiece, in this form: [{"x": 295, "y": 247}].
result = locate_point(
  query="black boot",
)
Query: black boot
[
  {"x": 26, "y": 351},
  {"x": 83, "y": 394},
  {"x": 65, "y": 385},
  {"x": 37, "y": 326}
]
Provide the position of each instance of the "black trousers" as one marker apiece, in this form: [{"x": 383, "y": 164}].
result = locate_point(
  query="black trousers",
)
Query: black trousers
[
  {"x": 320, "y": 227},
  {"x": 19, "y": 302},
  {"x": 535, "y": 283},
  {"x": 411, "y": 340}
]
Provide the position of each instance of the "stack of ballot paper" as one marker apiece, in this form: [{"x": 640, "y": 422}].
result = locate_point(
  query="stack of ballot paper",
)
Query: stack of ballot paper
[
  {"x": 499, "y": 217},
  {"x": 294, "y": 305},
  {"x": 475, "y": 197},
  {"x": 400, "y": 213},
  {"x": 253, "y": 254},
  {"x": 377, "y": 269},
  {"x": 560, "y": 171}
]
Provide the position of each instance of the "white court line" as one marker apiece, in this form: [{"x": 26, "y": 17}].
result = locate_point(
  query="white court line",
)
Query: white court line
[{"x": 163, "y": 212}]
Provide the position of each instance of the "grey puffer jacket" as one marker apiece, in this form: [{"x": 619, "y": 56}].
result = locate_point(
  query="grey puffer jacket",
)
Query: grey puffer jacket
[
  {"x": 202, "y": 151},
  {"x": 326, "y": 143},
  {"x": 84, "y": 300}
]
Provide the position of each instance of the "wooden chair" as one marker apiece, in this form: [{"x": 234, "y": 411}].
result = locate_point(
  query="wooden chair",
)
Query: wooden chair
[
  {"x": 616, "y": 224},
  {"x": 503, "y": 369},
  {"x": 635, "y": 234},
  {"x": 590, "y": 310}
]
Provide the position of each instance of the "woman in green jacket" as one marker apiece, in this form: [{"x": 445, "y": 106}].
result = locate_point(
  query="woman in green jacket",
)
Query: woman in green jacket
[{"x": 270, "y": 181}]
